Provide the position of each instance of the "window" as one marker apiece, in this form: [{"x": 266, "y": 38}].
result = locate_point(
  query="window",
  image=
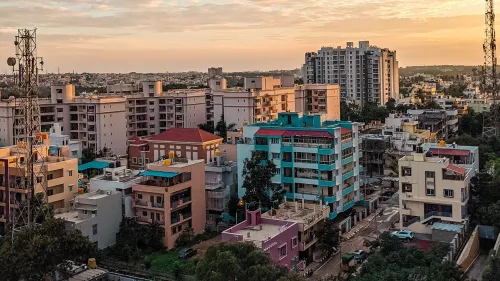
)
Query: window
[
  {"x": 277, "y": 171},
  {"x": 430, "y": 192},
  {"x": 50, "y": 176},
  {"x": 70, "y": 187},
  {"x": 429, "y": 174},
  {"x": 449, "y": 193},
  {"x": 407, "y": 187},
  {"x": 275, "y": 140},
  {"x": 50, "y": 192},
  {"x": 282, "y": 250},
  {"x": 70, "y": 173},
  {"x": 139, "y": 196},
  {"x": 38, "y": 179},
  {"x": 186, "y": 176},
  {"x": 134, "y": 160},
  {"x": 144, "y": 213},
  {"x": 295, "y": 242},
  {"x": 275, "y": 155},
  {"x": 94, "y": 229},
  {"x": 406, "y": 171}
]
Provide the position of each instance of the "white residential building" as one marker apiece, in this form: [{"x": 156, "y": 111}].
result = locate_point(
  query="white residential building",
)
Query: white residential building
[
  {"x": 365, "y": 73},
  {"x": 58, "y": 140}
]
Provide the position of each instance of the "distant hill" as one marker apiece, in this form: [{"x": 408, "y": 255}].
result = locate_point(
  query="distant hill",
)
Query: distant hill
[{"x": 441, "y": 70}]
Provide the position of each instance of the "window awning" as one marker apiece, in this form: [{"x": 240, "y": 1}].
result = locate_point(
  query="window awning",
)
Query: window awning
[
  {"x": 93, "y": 165},
  {"x": 344, "y": 131},
  {"x": 450, "y": 152},
  {"x": 457, "y": 169},
  {"x": 306, "y": 133},
  {"x": 159, "y": 174},
  {"x": 269, "y": 132}
]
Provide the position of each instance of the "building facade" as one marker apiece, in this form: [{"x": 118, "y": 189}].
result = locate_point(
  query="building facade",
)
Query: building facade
[
  {"x": 315, "y": 158},
  {"x": 97, "y": 215},
  {"x": 172, "y": 194},
  {"x": 365, "y": 73},
  {"x": 190, "y": 143},
  {"x": 58, "y": 181},
  {"x": 432, "y": 189},
  {"x": 58, "y": 141},
  {"x": 318, "y": 99},
  {"x": 278, "y": 238}
]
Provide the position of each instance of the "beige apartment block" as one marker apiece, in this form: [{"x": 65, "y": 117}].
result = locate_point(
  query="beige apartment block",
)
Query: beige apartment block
[
  {"x": 261, "y": 99},
  {"x": 318, "y": 99},
  {"x": 59, "y": 181},
  {"x": 432, "y": 190}
]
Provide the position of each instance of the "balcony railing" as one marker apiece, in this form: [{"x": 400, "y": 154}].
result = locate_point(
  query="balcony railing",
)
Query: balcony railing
[{"x": 438, "y": 214}]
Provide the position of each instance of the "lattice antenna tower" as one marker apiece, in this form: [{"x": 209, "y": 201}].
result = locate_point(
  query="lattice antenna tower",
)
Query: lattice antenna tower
[
  {"x": 29, "y": 175},
  {"x": 489, "y": 75}
]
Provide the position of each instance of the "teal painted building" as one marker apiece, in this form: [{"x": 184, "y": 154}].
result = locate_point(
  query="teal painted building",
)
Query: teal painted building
[{"x": 316, "y": 159}]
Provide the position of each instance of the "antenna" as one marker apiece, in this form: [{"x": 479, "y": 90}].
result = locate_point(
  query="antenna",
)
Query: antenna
[
  {"x": 30, "y": 178},
  {"x": 489, "y": 71}
]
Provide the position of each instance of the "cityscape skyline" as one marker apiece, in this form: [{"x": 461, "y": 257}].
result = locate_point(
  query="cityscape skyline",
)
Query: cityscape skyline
[{"x": 160, "y": 36}]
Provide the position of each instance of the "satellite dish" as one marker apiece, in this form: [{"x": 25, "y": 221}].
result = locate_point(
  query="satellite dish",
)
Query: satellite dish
[{"x": 11, "y": 61}]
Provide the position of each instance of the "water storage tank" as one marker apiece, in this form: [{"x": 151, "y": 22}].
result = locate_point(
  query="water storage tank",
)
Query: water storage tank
[
  {"x": 166, "y": 162},
  {"x": 92, "y": 263},
  {"x": 217, "y": 153},
  {"x": 171, "y": 154}
]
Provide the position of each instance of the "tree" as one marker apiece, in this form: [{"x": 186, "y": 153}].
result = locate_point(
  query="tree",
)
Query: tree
[
  {"x": 134, "y": 239},
  {"x": 391, "y": 104},
  {"x": 208, "y": 127},
  {"x": 88, "y": 155},
  {"x": 221, "y": 128},
  {"x": 492, "y": 268},
  {"x": 238, "y": 261},
  {"x": 257, "y": 174},
  {"x": 328, "y": 236},
  {"x": 38, "y": 251},
  {"x": 186, "y": 238}
]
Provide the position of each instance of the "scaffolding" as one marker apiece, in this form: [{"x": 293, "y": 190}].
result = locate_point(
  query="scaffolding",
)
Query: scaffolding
[{"x": 374, "y": 151}]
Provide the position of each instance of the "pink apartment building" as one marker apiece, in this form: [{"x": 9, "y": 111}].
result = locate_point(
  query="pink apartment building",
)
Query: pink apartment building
[
  {"x": 172, "y": 193},
  {"x": 277, "y": 237}
]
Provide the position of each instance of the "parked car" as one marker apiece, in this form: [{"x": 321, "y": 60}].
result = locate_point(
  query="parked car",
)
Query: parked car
[
  {"x": 187, "y": 253},
  {"x": 403, "y": 234}
]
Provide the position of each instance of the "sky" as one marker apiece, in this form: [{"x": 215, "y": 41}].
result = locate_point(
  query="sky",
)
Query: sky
[{"x": 183, "y": 35}]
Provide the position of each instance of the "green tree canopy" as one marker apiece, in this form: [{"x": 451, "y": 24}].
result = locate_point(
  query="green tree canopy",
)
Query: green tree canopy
[
  {"x": 37, "y": 251},
  {"x": 221, "y": 128},
  {"x": 241, "y": 262},
  {"x": 328, "y": 235},
  {"x": 257, "y": 174}
]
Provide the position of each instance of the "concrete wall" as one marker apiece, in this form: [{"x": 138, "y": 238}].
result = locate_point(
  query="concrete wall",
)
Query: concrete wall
[
  {"x": 109, "y": 215},
  {"x": 470, "y": 251}
]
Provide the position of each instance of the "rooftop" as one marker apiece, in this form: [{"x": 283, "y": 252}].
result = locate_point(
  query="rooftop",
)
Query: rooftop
[
  {"x": 261, "y": 232},
  {"x": 427, "y": 146},
  {"x": 294, "y": 211},
  {"x": 71, "y": 216},
  {"x": 185, "y": 135},
  {"x": 293, "y": 121}
]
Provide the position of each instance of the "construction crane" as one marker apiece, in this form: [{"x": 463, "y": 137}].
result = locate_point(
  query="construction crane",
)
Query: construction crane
[
  {"x": 489, "y": 71},
  {"x": 29, "y": 169}
]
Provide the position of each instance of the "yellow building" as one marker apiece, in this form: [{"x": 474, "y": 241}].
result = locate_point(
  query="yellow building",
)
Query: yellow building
[{"x": 56, "y": 177}]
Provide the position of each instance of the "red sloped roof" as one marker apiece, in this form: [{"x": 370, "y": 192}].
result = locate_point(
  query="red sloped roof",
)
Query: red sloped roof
[
  {"x": 307, "y": 133},
  {"x": 185, "y": 135},
  {"x": 457, "y": 169},
  {"x": 344, "y": 130},
  {"x": 269, "y": 132},
  {"x": 134, "y": 138},
  {"x": 449, "y": 151},
  {"x": 138, "y": 142}
]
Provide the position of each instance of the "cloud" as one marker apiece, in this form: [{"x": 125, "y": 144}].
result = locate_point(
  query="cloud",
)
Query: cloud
[{"x": 242, "y": 28}]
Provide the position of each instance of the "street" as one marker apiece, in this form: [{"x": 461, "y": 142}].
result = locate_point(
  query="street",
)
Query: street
[{"x": 367, "y": 229}]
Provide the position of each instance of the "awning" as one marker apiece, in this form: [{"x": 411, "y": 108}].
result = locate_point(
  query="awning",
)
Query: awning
[
  {"x": 93, "y": 165},
  {"x": 269, "y": 132},
  {"x": 80, "y": 182},
  {"x": 159, "y": 174},
  {"x": 344, "y": 130},
  {"x": 456, "y": 169},
  {"x": 53, "y": 148},
  {"x": 449, "y": 151},
  {"x": 307, "y": 133}
]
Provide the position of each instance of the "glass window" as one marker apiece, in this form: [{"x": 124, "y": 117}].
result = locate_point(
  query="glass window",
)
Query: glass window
[
  {"x": 407, "y": 187},
  {"x": 275, "y": 155},
  {"x": 295, "y": 242},
  {"x": 448, "y": 193},
  {"x": 275, "y": 140},
  {"x": 94, "y": 229},
  {"x": 282, "y": 250},
  {"x": 406, "y": 171},
  {"x": 430, "y": 192}
]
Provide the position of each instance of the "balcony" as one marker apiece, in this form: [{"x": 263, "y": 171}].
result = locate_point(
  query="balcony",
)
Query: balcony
[
  {"x": 180, "y": 203},
  {"x": 218, "y": 194},
  {"x": 330, "y": 199},
  {"x": 213, "y": 185},
  {"x": 347, "y": 175},
  {"x": 346, "y": 145},
  {"x": 332, "y": 215},
  {"x": 306, "y": 244},
  {"x": 347, "y": 190},
  {"x": 438, "y": 214},
  {"x": 347, "y": 159},
  {"x": 348, "y": 205}
]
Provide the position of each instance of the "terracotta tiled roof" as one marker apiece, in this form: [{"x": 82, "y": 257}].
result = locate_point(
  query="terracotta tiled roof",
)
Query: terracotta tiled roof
[
  {"x": 457, "y": 169},
  {"x": 269, "y": 132},
  {"x": 307, "y": 133},
  {"x": 185, "y": 135}
]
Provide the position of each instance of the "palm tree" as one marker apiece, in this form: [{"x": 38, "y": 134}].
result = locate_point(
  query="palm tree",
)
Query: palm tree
[{"x": 222, "y": 127}]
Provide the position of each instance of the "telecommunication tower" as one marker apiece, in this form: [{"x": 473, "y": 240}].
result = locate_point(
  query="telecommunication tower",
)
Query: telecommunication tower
[
  {"x": 28, "y": 176},
  {"x": 489, "y": 72}
]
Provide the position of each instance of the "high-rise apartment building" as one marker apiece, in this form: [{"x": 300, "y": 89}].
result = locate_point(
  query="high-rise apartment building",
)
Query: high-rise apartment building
[
  {"x": 365, "y": 73},
  {"x": 316, "y": 160}
]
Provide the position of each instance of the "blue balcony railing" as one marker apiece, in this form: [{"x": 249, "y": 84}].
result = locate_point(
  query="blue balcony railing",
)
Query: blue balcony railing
[
  {"x": 347, "y": 190},
  {"x": 346, "y": 145},
  {"x": 348, "y": 205},
  {"x": 347, "y": 160},
  {"x": 330, "y": 199},
  {"x": 347, "y": 175},
  {"x": 332, "y": 215}
]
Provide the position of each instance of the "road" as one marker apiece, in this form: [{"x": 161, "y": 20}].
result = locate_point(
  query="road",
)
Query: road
[{"x": 368, "y": 231}]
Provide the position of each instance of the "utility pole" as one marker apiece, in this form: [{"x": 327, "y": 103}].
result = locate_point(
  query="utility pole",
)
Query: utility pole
[{"x": 489, "y": 71}]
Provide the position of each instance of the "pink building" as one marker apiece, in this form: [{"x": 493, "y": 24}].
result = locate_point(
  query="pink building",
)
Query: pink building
[
  {"x": 172, "y": 193},
  {"x": 279, "y": 238}
]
